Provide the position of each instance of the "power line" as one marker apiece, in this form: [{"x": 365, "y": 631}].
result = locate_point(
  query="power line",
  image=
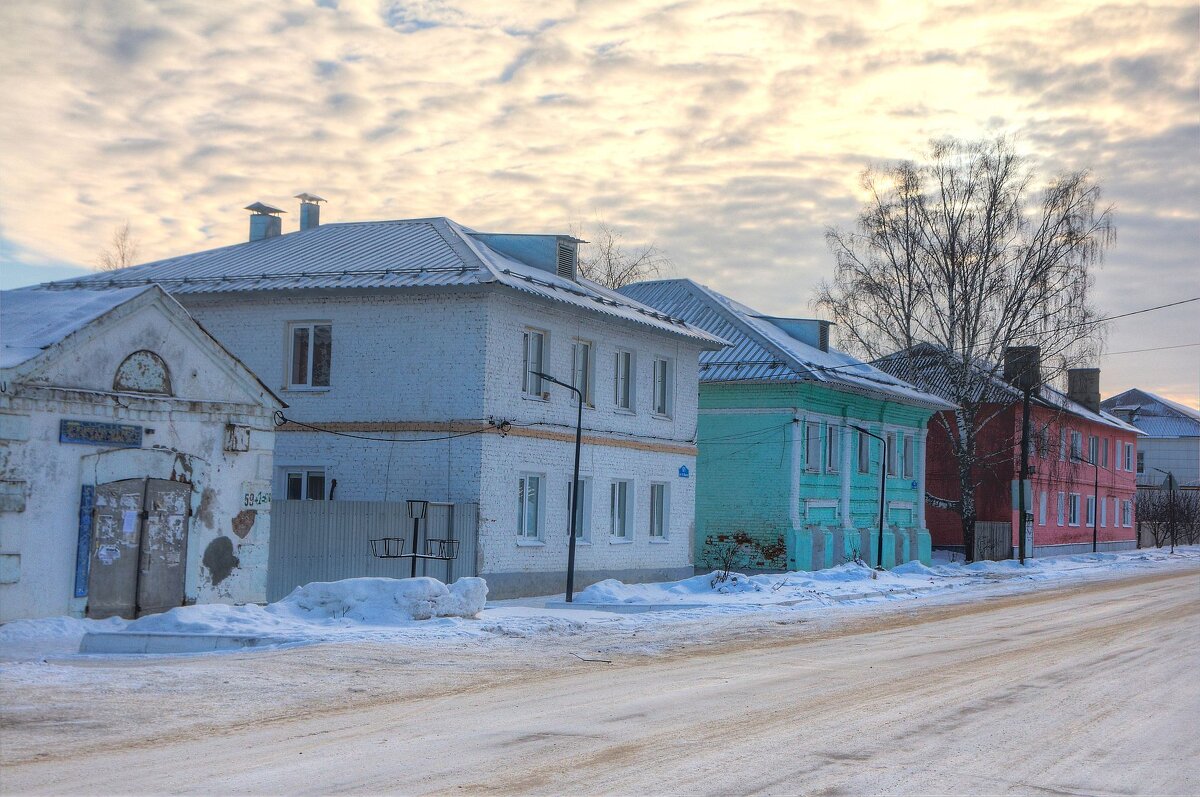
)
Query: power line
[
  {"x": 491, "y": 426},
  {"x": 1156, "y": 348}
]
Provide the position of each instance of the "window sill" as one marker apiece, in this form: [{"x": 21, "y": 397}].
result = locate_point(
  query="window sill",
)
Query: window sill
[
  {"x": 659, "y": 541},
  {"x": 544, "y": 398},
  {"x": 660, "y": 416},
  {"x": 525, "y": 543},
  {"x": 619, "y": 541},
  {"x": 624, "y": 411},
  {"x": 306, "y": 389}
]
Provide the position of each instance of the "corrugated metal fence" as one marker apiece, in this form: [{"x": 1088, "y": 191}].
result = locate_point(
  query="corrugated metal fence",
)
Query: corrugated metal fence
[
  {"x": 993, "y": 540},
  {"x": 331, "y": 540}
]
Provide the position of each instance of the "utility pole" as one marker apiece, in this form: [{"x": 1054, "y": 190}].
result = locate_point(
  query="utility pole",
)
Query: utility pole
[{"x": 1023, "y": 476}]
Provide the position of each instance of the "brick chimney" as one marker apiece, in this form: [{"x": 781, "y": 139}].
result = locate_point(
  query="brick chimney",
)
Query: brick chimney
[
  {"x": 1023, "y": 367},
  {"x": 1083, "y": 387}
]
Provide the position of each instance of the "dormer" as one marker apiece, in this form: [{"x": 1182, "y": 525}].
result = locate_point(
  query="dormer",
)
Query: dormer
[{"x": 557, "y": 254}]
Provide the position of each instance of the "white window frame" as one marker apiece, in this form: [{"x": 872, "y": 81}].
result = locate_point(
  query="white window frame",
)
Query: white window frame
[
  {"x": 1104, "y": 454},
  {"x": 910, "y": 456},
  {"x": 833, "y": 448},
  {"x": 1061, "y": 515},
  {"x": 524, "y": 483},
  {"x": 584, "y": 377},
  {"x": 864, "y": 453},
  {"x": 663, "y": 395},
  {"x": 1094, "y": 449},
  {"x": 305, "y": 474},
  {"x": 310, "y": 328},
  {"x": 1042, "y": 509},
  {"x": 1116, "y": 512},
  {"x": 1129, "y": 456},
  {"x": 660, "y": 511},
  {"x": 893, "y": 458},
  {"x": 1076, "y": 444},
  {"x": 625, "y": 380},
  {"x": 583, "y": 527},
  {"x": 624, "y": 522},
  {"x": 532, "y": 386},
  {"x": 1090, "y": 511},
  {"x": 1073, "y": 509},
  {"x": 1141, "y": 462},
  {"x": 812, "y": 445},
  {"x": 1127, "y": 513},
  {"x": 1103, "y": 513},
  {"x": 1062, "y": 444}
]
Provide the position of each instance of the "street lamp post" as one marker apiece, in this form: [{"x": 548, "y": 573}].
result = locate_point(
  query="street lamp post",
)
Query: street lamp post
[
  {"x": 1095, "y": 498},
  {"x": 574, "y": 482},
  {"x": 882, "y": 491}
]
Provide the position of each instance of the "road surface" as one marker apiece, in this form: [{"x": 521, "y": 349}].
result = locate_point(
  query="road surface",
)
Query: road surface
[{"x": 1088, "y": 690}]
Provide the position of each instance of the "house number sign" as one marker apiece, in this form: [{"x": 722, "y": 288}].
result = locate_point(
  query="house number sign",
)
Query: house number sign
[{"x": 96, "y": 433}]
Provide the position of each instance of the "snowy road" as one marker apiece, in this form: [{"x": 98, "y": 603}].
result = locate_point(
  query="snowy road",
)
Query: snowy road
[{"x": 1092, "y": 689}]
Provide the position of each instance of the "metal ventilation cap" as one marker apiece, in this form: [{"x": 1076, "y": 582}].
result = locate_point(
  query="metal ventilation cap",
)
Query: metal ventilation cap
[
  {"x": 311, "y": 198},
  {"x": 264, "y": 209}
]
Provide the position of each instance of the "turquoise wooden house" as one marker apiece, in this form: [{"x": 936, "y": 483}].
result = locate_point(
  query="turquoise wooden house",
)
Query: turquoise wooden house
[{"x": 783, "y": 466}]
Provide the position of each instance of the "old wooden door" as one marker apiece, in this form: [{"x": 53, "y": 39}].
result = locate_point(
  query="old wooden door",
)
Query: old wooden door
[
  {"x": 116, "y": 542},
  {"x": 164, "y": 546},
  {"x": 139, "y": 548}
]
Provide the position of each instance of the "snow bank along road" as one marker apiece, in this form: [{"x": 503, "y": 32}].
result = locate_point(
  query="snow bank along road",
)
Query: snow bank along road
[{"x": 1091, "y": 689}]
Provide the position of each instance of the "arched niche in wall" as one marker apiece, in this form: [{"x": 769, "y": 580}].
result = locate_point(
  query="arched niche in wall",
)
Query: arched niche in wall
[{"x": 143, "y": 372}]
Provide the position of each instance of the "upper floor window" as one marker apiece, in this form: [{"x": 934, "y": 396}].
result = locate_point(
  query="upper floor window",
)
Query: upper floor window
[
  {"x": 581, "y": 370},
  {"x": 833, "y": 448},
  {"x": 623, "y": 392},
  {"x": 1141, "y": 462},
  {"x": 532, "y": 363},
  {"x": 812, "y": 448},
  {"x": 1129, "y": 456},
  {"x": 1076, "y": 445},
  {"x": 304, "y": 484},
  {"x": 311, "y": 353},
  {"x": 663, "y": 378},
  {"x": 1104, "y": 453},
  {"x": 1093, "y": 449},
  {"x": 864, "y": 453},
  {"x": 894, "y": 442},
  {"x": 910, "y": 453}
]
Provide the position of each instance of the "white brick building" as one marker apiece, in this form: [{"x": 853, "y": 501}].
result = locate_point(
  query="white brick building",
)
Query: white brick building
[{"x": 427, "y": 332}]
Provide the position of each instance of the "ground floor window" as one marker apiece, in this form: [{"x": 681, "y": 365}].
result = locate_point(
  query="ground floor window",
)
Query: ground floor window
[
  {"x": 1127, "y": 514},
  {"x": 583, "y": 517},
  {"x": 620, "y": 495},
  {"x": 1042, "y": 509},
  {"x": 529, "y": 506},
  {"x": 1073, "y": 509},
  {"x": 304, "y": 484},
  {"x": 1103, "y": 513},
  {"x": 658, "y": 511},
  {"x": 1091, "y": 510},
  {"x": 1062, "y": 508}
]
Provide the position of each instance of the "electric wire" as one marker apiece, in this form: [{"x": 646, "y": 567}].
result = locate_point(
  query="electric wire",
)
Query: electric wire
[{"x": 491, "y": 426}]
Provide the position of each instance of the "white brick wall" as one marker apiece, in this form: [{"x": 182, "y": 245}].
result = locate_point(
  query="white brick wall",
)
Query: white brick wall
[{"x": 457, "y": 355}]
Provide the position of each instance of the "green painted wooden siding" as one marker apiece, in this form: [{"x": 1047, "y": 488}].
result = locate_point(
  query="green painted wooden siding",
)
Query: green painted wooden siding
[{"x": 745, "y": 459}]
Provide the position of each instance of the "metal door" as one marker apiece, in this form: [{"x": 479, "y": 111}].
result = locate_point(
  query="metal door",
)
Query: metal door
[
  {"x": 116, "y": 542},
  {"x": 138, "y": 560},
  {"x": 164, "y": 543}
]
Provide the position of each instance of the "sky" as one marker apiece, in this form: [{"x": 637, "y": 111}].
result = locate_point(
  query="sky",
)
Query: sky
[{"x": 730, "y": 134}]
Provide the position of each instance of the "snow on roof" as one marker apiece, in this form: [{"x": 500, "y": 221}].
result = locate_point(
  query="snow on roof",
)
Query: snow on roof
[
  {"x": 32, "y": 320},
  {"x": 1155, "y": 415},
  {"x": 759, "y": 350},
  {"x": 408, "y": 253}
]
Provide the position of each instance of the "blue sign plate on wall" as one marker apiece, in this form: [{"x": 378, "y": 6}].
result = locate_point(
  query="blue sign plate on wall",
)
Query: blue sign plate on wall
[{"x": 96, "y": 433}]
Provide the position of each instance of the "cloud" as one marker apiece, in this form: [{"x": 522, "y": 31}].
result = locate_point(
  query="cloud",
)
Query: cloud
[{"x": 729, "y": 132}]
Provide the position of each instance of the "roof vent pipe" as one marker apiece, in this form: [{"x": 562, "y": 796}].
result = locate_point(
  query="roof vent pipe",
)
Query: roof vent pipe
[
  {"x": 265, "y": 223},
  {"x": 310, "y": 211}
]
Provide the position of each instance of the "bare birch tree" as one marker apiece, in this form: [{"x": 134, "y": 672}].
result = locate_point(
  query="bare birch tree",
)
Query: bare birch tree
[
  {"x": 964, "y": 253},
  {"x": 121, "y": 252},
  {"x": 605, "y": 261}
]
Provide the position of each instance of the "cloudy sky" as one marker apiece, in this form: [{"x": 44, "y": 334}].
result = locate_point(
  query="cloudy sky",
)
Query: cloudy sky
[{"x": 730, "y": 133}]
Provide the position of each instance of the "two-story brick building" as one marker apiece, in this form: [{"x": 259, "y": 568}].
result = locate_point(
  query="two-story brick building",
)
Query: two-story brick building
[{"x": 418, "y": 343}]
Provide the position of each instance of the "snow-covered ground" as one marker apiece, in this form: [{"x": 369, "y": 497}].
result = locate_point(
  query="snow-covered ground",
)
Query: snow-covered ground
[{"x": 418, "y": 611}]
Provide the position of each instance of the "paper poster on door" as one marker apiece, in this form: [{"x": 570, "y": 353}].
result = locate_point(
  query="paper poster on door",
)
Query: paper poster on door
[{"x": 129, "y": 522}]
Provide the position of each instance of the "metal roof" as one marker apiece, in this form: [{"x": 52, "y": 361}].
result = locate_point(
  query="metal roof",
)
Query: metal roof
[
  {"x": 760, "y": 351},
  {"x": 411, "y": 253},
  {"x": 1153, "y": 414},
  {"x": 927, "y": 366}
]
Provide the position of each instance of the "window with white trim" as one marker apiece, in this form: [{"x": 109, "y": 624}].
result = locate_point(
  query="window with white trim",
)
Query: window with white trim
[
  {"x": 1116, "y": 512},
  {"x": 310, "y": 354},
  {"x": 304, "y": 484},
  {"x": 623, "y": 387},
  {"x": 529, "y": 506},
  {"x": 893, "y": 449},
  {"x": 583, "y": 515},
  {"x": 1042, "y": 509},
  {"x": 1104, "y": 454},
  {"x": 910, "y": 455},
  {"x": 620, "y": 502},
  {"x": 1062, "y": 444},
  {"x": 1103, "y": 513},
  {"x": 582, "y": 370},
  {"x": 533, "y": 363},
  {"x": 1127, "y": 514},
  {"x": 664, "y": 378},
  {"x": 1091, "y": 510},
  {"x": 1129, "y": 456},
  {"x": 864, "y": 453},
  {"x": 1073, "y": 509},
  {"x": 1076, "y": 444},
  {"x": 1062, "y": 509},
  {"x": 833, "y": 448},
  {"x": 1141, "y": 462},
  {"x": 812, "y": 447},
  {"x": 658, "y": 511},
  {"x": 1093, "y": 449}
]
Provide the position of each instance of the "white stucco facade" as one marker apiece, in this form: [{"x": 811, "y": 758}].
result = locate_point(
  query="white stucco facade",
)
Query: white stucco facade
[
  {"x": 208, "y": 428},
  {"x": 431, "y": 363}
]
